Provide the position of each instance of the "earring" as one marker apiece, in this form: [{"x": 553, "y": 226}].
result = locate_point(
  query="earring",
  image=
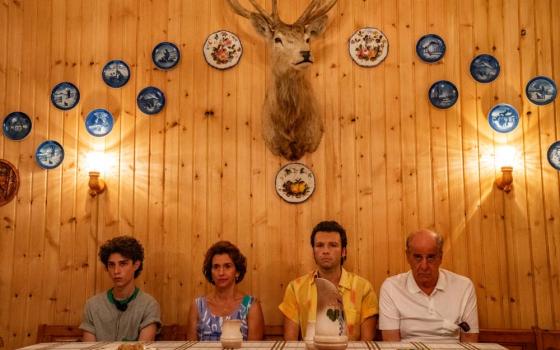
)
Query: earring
[{"x": 236, "y": 278}]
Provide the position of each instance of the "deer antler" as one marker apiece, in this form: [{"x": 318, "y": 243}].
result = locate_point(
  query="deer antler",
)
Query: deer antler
[
  {"x": 314, "y": 11},
  {"x": 242, "y": 11}
]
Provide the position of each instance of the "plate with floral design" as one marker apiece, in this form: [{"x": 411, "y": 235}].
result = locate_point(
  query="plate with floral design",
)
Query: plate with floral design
[
  {"x": 295, "y": 182},
  {"x": 541, "y": 90},
  {"x": 553, "y": 155},
  {"x": 166, "y": 55},
  {"x": 99, "y": 122},
  {"x": 368, "y": 47},
  {"x": 9, "y": 182},
  {"x": 116, "y": 73},
  {"x": 485, "y": 68},
  {"x": 503, "y": 118},
  {"x": 49, "y": 154},
  {"x": 65, "y": 96},
  {"x": 16, "y": 126},
  {"x": 430, "y": 48},
  {"x": 222, "y": 49}
]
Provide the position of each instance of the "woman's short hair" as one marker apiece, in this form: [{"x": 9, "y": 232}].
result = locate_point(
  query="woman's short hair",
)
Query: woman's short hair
[
  {"x": 225, "y": 247},
  {"x": 127, "y": 246}
]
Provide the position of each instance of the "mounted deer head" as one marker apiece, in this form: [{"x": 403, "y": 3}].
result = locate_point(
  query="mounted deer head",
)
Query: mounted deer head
[{"x": 291, "y": 124}]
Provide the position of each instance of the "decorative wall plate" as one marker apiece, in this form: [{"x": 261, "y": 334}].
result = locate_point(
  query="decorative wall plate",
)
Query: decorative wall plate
[
  {"x": 443, "y": 94},
  {"x": 116, "y": 73},
  {"x": 49, "y": 154},
  {"x": 9, "y": 182},
  {"x": 503, "y": 118},
  {"x": 541, "y": 90},
  {"x": 151, "y": 100},
  {"x": 222, "y": 49},
  {"x": 553, "y": 155},
  {"x": 166, "y": 55},
  {"x": 430, "y": 48},
  {"x": 368, "y": 47},
  {"x": 65, "y": 96},
  {"x": 99, "y": 122},
  {"x": 295, "y": 182},
  {"x": 16, "y": 126},
  {"x": 485, "y": 68}
]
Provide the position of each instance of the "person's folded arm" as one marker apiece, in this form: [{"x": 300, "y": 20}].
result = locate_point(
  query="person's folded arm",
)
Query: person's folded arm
[
  {"x": 148, "y": 333},
  {"x": 391, "y": 335},
  {"x": 255, "y": 322}
]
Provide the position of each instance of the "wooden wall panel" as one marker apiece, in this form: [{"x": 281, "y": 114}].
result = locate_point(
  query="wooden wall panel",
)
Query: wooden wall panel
[{"x": 199, "y": 171}]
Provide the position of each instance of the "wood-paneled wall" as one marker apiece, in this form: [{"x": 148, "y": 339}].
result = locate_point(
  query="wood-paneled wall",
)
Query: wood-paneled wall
[{"x": 388, "y": 163}]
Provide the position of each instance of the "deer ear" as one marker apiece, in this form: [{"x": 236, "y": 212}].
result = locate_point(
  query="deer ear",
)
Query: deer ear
[
  {"x": 317, "y": 27},
  {"x": 261, "y": 25}
]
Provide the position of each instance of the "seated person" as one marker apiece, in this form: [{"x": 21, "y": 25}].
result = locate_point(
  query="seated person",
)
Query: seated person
[
  {"x": 328, "y": 241},
  {"x": 124, "y": 312},
  {"x": 224, "y": 266},
  {"x": 427, "y": 303}
]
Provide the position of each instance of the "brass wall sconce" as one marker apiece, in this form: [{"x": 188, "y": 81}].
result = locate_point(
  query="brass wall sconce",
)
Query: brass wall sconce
[
  {"x": 96, "y": 184},
  {"x": 505, "y": 182}
]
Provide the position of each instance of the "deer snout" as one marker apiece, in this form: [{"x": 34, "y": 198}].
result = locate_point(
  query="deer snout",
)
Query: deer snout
[{"x": 306, "y": 55}]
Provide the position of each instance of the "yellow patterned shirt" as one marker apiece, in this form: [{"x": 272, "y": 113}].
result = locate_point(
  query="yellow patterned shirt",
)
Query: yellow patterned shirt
[{"x": 358, "y": 298}]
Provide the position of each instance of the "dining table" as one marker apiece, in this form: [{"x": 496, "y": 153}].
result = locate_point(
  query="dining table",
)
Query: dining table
[{"x": 265, "y": 345}]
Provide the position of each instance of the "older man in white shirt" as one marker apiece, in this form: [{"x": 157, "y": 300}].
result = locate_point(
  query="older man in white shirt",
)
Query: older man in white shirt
[{"x": 427, "y": 303}]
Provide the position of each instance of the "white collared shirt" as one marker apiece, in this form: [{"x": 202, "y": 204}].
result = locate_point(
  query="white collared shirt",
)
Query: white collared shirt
[{"x": 421, "y": 317}]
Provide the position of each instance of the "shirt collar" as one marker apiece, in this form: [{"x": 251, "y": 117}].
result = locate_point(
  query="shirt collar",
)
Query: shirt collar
[
  {"x": 412, "y": 286},
  {"x": 344, "y": 282}
]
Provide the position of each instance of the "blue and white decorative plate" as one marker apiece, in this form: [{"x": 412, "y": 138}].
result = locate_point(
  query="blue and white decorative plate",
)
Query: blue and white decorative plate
[
  {"x": 430, "y": 48},
  {"x": 166, "y": 55},
  {"x": 49, "y": 154},
  {"x": 222, "y": 50},
  {"x": 443, "y": 94},
  {"x": 503, "y": 118},
  {"x": 295, "y": 183},
  {"x": 553, "y": 155},
  {"x": 16, "y": 126},
  {"x": 116, "y": 73},
  {"x": 485, "y": 68},
  {"x": 65, "y": 96},
  {"x": 99, "y": 122},
  {"x": 368, "y": 47},
  {"x": 151, "y": 100},
  {"x": 541, "y": 90}
]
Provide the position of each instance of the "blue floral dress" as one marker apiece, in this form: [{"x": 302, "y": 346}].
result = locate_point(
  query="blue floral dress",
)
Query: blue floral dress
[{"x": 209, "y": 326}]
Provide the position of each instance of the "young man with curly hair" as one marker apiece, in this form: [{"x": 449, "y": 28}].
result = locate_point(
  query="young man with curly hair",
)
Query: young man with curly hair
[{"x": 124, "y": 312}]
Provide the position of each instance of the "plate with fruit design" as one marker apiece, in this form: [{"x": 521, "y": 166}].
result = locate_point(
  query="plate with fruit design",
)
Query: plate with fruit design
[{"x": 295, "y": 183}]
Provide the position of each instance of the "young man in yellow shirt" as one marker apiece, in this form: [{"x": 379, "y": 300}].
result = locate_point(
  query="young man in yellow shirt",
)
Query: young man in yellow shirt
[{"x": 360, "y": 304}]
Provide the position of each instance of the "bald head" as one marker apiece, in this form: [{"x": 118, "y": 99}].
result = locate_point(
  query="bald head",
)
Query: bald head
[{"x": 424, "y": 235}]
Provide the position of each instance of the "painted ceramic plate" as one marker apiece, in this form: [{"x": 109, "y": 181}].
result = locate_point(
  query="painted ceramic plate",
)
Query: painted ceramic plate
[
  {"x": 485, "y": 68},
  {"x": 65, "y": 95},
  {"x": 9, "y": 182},
  {"x": 166, "y": 55},
  {"x": 541, "y": 90},
  {"x": 49, "y": 154},
  {"x": 151, "y": 100},
  {"x": 443, "y": 94},
  {"x": 368, "y": 47},
  {"x": 16, "y": 126},
  {"x": 116, "y": 73},
  {"x": 295, "y": 182},
  {"x": 222, "y": 49},
  {"x": 553, "y": 155},
  {"x": 430, "y": 48},
  {"x": 99, "y": 122},
  {"x": 503, "y": 118}
]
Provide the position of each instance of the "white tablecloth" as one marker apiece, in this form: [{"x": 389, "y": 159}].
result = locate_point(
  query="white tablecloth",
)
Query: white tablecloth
[{"x": 266, "y": 345}]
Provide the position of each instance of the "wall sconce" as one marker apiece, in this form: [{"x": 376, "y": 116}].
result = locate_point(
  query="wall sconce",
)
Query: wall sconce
[
  {"x": 504, "y": 159},
  {"x": 96, "y": 184},
  {"x": 95, "y": 161}
]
